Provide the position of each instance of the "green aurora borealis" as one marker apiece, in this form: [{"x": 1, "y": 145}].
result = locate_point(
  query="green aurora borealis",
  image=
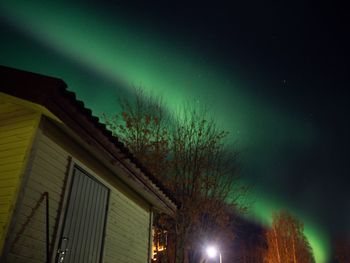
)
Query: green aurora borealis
[{"x": 95, "y": 52}]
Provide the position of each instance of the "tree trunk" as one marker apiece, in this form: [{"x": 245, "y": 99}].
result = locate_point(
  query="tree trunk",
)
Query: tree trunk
[
  {"x": 294, "y": 253},
  {"x": 277, "y": 246}
]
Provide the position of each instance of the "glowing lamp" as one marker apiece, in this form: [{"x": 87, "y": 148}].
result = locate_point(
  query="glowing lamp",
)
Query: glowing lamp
[{"x": 212, "y": 252}]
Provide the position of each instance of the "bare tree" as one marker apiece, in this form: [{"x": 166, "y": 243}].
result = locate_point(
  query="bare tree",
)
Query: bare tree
[
  {"x": 286, "y": 241},
  {"x": 204, "y": 176},
  {"x": 142, "y": 125},
  {"x": 192, "y": 158}
]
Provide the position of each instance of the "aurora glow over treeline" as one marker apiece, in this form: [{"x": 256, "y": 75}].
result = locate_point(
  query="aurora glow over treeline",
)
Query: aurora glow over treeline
[{"x": 282, "y": 118}]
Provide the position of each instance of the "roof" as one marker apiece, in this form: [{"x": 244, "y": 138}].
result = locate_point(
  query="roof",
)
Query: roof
[{"x": 52, "y": 93}]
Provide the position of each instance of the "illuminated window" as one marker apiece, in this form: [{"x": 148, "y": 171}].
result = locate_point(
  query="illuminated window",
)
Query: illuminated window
[{"x": 159, "y": 243}]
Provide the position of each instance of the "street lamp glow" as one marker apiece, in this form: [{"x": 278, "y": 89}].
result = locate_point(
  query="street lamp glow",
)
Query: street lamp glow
[{"x": 212, "y": 252}]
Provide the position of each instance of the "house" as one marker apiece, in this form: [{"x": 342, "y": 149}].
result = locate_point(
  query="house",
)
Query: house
[{"x": 69, "y": 190}]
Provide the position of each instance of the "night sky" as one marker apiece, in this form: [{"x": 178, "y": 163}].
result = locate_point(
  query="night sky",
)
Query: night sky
[{"x": 274, "y": 73}]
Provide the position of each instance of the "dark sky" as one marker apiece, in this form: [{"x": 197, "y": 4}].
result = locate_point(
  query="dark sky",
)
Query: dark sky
[{"x": 275, "y": 73}]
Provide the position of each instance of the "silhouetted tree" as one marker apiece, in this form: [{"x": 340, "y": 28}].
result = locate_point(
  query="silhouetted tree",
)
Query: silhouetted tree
[
  {"x": 189, "y": 154},
  {"x": 250, "y": 244},
  {"x": 286, "y": 241},
  {"x": 143, "y": 126},
  {"x": 342, "y": 250},
  {"x": 252, "y": 250}
]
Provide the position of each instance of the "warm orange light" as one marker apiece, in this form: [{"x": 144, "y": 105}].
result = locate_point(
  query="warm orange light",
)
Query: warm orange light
[
  {"x": 161, "y": 248},
  {"x": 159, "y": 243}
]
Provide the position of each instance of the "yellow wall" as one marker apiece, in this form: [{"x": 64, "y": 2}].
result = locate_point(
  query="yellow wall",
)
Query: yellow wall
[
  {"x": 18, "y": 125},
  {"x": 49, "y": 167},
  {"x": 128, "y": 217}
]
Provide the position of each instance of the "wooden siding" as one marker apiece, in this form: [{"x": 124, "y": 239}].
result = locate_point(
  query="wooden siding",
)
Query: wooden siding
[
  {"x": 127, "y": 229},
  {"x": 17, "y": 128},
  {"x": 48, "y": 173},
  {"x": 127, "y": 234}
]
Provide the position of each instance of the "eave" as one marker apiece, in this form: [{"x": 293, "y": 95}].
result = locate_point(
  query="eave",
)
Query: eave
[{"x": 79, "y": 122}]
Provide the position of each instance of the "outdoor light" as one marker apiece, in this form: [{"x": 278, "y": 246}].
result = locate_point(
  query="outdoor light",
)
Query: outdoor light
[{"x": 212, "y": 252}]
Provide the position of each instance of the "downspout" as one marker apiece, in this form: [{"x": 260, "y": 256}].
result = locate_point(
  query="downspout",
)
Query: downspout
[
  {"x": 47, "y": 228},
  {"x": 150, "y": 241}
]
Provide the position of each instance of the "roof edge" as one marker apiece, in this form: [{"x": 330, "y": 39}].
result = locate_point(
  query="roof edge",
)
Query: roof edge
[{"x": 51, "y": 92}]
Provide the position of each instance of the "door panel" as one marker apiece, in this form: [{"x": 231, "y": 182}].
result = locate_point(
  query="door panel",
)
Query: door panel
[{"x": 84, "y": 224}]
